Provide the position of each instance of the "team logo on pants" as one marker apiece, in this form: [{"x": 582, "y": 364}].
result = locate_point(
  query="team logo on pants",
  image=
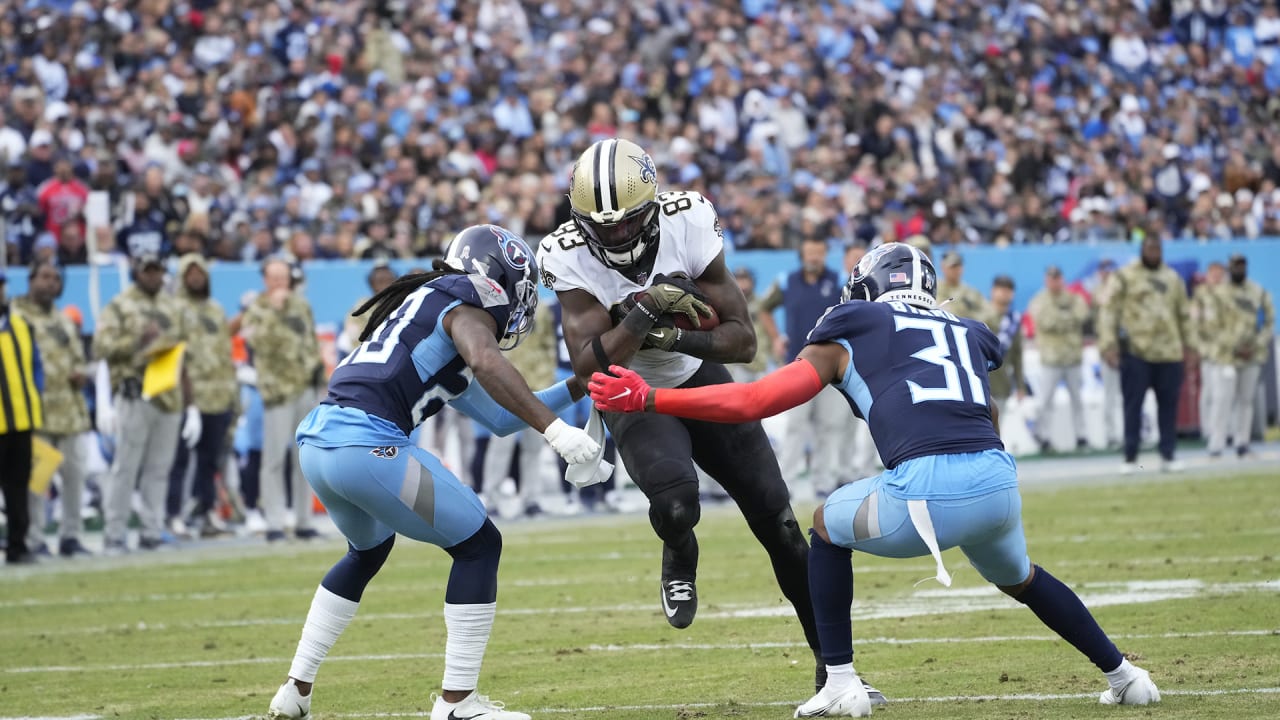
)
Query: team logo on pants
[{"x": 386, "y": 453}]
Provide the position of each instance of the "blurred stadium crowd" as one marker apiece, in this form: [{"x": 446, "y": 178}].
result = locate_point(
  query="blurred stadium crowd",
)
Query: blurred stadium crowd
[{"x": 320, "y": 129}]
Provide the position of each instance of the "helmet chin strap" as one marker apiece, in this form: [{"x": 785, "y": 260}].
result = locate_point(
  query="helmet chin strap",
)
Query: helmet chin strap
[{"x": 628, "y": 258}]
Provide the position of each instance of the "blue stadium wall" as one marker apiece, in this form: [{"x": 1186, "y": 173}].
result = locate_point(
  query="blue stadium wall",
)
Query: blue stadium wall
[{"x": 333, "y": 286}]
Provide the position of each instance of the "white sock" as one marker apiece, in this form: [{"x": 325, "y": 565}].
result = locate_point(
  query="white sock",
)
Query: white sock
[
  {"x": 467, "y": 628},
  {"x": 840, "y": 677},
  {"x": 1118, "y": 677},
  {"x": 329, "y": 616}
]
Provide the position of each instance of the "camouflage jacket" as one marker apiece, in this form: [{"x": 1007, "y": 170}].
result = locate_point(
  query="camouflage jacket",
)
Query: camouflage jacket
[
  {"x": 1203, "y": 310},
  {"x": 535, "y": 357},
  {"x": 62, "y": 354},
  {"x": 353, "y": 325},
  {"x": 966, "y": 301},
  {"x": 1059, "y": 322},
  {"x": 760, "y": 362},
  {"x": 1239, "y": 321},
  {"x": 208, "y": 359},
  {"x": 1010, "y": 376},
  {"x": 1147, "y": 310},
  {"x": 118, "y": 340},
  {"x": 285, "y": 351}
]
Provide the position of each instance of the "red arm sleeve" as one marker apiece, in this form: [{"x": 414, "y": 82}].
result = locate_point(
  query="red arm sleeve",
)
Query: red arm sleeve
[{"x": 780, "y": 390}]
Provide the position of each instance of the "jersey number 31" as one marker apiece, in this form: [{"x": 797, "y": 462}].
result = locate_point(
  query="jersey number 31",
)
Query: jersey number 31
[{"x": 939, "y": 353}]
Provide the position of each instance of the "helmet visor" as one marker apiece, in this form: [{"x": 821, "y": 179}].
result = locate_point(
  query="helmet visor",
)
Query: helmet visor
[
  {"x": 523, "y": 310},
  {"x": 619, "y": 243}
]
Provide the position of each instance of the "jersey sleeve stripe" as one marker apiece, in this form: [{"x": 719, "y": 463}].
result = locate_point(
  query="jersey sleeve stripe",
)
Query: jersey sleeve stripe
[{"x": 854, "y": 385}]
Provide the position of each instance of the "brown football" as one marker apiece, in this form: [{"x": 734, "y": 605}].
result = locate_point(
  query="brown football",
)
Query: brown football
[{"x": 684, "y": 323}]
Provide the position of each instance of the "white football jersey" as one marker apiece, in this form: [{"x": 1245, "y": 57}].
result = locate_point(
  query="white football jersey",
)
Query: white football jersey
[{"x": 689, "y": 240}]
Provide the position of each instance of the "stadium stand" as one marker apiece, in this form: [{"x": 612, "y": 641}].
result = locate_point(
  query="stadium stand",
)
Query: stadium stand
[{"x": 242, "y": 128}]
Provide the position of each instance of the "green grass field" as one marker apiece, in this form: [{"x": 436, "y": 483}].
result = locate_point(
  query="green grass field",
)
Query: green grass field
[{"x": 1183, "y": 573}]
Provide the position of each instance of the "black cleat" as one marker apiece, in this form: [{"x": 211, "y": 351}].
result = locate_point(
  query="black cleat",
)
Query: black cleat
[
  {"x": 71, "y": 547},
  {"x": 679, "y": 602}
]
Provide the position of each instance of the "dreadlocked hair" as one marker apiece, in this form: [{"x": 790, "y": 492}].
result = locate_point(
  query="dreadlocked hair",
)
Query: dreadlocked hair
[{"x": 381, "y": 306}]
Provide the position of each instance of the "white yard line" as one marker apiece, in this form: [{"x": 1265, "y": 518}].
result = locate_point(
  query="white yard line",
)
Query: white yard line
[
  {"x": 623, "y": 648},
  {"x": 923, "y": 602}
]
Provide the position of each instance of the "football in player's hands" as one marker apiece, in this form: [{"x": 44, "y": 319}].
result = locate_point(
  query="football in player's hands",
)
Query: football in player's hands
[
  {"x": 684, "y": 323},
  {"x": 691, "y": 286},
  {"x": 668, "y": 320}
]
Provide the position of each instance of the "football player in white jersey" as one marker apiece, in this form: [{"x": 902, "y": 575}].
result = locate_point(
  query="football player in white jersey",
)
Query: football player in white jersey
[{"x": 623, "y": 267}]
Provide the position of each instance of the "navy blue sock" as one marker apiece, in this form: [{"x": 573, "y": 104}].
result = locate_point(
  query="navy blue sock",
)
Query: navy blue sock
[
  {"x": 473, "y": 580},
  {"x": 831, "y": 590},
  {"x": 349, "y": 577},
  {"x": 1061, "y": 610}
]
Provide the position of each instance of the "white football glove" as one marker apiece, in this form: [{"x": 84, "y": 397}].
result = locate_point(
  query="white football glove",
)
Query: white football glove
[
  {"x": 573, "y": 444},
  {"x": 106, "y": 420},
  {"x": 191, "y": 427}
]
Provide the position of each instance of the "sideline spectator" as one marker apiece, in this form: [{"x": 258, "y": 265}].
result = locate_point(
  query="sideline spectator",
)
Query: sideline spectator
[
  {"x": 66, "y": 414},
  {"x": 954, "y": 295},
  {"x": 1243, "y": 315},
  {"x": 1009, "y": 379},
  {"x": 214, "y": 392},
  {"x": 21, "y": 381},
  {"x": 1059, "y": 316},
  {"x": 816, "y": 431},
  {"x": 136, "y": 326},
  {"x": 1145, "y": 331},
  {"x": 280, "y": 328},
  {"x": 1203, "y": 310}
]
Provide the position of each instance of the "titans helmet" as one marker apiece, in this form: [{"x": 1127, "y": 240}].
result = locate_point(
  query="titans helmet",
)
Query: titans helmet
[
  {"x": 612, "y": 196},
  {"x": 894, "y": 271},
  {"x": 504, "y": 273}
]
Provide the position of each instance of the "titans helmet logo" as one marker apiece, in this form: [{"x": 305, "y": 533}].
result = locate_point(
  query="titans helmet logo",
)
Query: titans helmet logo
[
  {"x": 648, "y": 173},
  {"x": 514, "y": 250}
]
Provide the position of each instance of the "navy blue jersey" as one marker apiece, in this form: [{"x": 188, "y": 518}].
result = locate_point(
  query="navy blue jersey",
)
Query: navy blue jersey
[
  {"x": 918, "y": 377},
  {"x": 409, "y": 368}
]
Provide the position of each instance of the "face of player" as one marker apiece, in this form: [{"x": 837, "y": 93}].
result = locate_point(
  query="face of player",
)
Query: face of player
[{"x": 1001, "y": 296}]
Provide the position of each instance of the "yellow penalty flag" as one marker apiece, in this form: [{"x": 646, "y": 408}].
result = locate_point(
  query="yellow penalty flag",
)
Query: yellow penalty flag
[
  {"x": 163, "y": 372},
  {"x": 45, "y": 460}
]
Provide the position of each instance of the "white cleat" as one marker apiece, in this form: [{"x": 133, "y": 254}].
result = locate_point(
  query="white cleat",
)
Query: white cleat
[
  {"x": 1139, "y": 690},
  {"x": 288, "y": 704},
  {"x": 1128, "y": 468},
  {"x": 473, "y": 707},
  {"x": 254, "y": 522},
  {"x": 850, "y": 702},
  {"x": 1172, "y": 466}
]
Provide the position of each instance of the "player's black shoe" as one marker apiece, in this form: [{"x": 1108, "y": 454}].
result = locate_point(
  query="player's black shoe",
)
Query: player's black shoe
[
  {"x": 679, "y": 601},
  {"x": 820, "y": 681}
]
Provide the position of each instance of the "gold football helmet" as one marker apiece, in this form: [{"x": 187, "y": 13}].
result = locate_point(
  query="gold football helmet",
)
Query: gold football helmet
[{"x": 612, "y": 194}]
